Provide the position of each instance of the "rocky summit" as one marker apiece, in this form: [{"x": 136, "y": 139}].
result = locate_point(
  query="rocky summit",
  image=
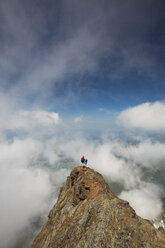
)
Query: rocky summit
[{"x": 88, "y": 214}]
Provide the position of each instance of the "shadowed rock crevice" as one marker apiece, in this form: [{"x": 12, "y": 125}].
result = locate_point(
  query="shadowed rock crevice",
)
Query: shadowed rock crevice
[{"x": 88, "y": 214}]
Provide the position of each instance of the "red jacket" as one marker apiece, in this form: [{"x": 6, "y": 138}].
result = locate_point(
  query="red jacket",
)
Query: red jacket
[{"x": 82, "y": 159}]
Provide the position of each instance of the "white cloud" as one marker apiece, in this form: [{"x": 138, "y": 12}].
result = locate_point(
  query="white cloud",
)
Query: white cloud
[
  {"x": 146, "y": 201},
  {"x": 147, "y": 154},
  {"x": 117, "y": 162},
  {"x": 38, "y": 123},
  {"x": 78, "y": 119},
  {"x": 27, "y": 164},
  {"x": 26, "y": 183},
  {"x": 147, "y": 116},
  {"x": 20, "y": 152},
  {"x": 107, "y": 111},
  {"x": 24, "y": 188},
  {"x": 102, "y": 158},
  {"x": 32, "y": 119},
  {"x": 32, "y": 62}
]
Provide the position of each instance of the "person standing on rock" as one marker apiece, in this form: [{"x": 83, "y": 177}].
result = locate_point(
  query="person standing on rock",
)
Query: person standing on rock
[
  {"x": 82, "y": 159},
  {"x": 85, "y": 162}
]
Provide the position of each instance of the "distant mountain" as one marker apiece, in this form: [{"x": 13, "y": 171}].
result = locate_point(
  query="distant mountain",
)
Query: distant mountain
[{"x": 88, "y": 214}]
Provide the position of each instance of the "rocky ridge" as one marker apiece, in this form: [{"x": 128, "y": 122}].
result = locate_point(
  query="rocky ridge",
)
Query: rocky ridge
[{"x": 88, "y": 214}]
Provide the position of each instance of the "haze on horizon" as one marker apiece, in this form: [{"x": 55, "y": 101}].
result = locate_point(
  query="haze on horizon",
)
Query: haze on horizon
[{"x": 79, "y": 78}]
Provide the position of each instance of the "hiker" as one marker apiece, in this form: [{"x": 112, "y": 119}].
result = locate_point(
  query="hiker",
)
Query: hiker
[
  {"x": 82, "y": 159},
  {"x": 85, "y": 161}
]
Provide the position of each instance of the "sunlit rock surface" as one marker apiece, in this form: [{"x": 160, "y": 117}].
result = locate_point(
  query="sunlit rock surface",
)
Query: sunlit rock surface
[{"x": 88, "y": 214}]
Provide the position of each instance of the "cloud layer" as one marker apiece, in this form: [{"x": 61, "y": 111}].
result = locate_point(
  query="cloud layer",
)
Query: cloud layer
[
  {"x": 146, "y": 116},
  {"x": 49, "y": 49},
  {"x": 123, "y": 163},
  {"x": 142, "y": 199},
  {"x": 33, "y": 146},
  {"x": 26, "y": 183}
]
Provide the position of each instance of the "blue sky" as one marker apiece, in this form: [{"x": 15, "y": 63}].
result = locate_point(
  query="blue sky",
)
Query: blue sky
[{"x": 75, "y": 58}]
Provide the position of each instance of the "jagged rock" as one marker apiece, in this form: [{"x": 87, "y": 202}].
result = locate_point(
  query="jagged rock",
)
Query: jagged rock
[{"x": 88, "y": 214}]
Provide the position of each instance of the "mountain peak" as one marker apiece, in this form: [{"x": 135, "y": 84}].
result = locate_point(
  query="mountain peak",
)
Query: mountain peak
[{"x": 89, "y": 214}]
